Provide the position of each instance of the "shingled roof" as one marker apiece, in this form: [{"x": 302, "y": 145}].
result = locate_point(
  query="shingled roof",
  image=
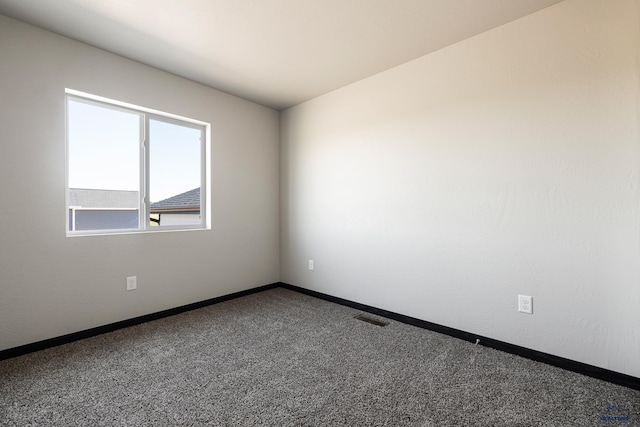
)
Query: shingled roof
[{"x": 188, "y": 201}]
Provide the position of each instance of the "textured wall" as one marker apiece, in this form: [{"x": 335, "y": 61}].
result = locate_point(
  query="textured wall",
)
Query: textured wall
[
  {"x": 52, "y": 285},
  {"x": 508, "y": 163}
]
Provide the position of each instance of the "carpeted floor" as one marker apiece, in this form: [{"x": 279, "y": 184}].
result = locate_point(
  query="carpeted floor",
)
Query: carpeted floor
[{"x": 281, "y": 358}]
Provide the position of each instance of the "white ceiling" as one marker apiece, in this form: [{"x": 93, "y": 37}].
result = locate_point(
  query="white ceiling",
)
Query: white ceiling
[{"x": 275, "y": 52}]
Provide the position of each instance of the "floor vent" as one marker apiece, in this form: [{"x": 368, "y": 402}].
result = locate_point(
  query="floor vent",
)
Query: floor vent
[{"x": 367, "y": 319}]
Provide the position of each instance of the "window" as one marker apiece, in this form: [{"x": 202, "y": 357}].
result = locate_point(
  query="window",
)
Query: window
[{"x": 133, "y": 169}]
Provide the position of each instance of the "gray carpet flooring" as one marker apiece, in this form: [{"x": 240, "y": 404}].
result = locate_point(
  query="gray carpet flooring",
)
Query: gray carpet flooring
[{"x": 281, "y": 358}]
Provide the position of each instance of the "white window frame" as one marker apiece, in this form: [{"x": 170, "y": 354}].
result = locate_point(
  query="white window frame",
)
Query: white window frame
[{"x": 146, "y": 115}]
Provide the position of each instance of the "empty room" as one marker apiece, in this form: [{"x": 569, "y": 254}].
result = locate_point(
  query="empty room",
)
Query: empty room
[{"x": 320, "y": 212}]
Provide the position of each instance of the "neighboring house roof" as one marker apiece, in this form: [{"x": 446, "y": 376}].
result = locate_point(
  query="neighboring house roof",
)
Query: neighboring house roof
[
  {"x": 187, "y": 201},
  {"x": 94, "y": 198}
]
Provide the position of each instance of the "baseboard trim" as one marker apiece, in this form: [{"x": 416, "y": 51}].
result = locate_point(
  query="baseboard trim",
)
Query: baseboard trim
[
  {"x": 87, "y": 333},
  {"x": 560, "y": 362}
]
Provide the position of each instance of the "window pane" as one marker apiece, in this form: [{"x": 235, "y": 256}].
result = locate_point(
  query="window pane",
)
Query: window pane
[
  {"x": 130, "y": 168},
  {"x": 103, "y": 168},
  {"x": 174, "y": 173}
]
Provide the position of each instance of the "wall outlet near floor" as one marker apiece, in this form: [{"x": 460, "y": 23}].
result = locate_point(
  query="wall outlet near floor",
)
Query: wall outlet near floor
[
  {"x": 525, "y": 304},
  {"x": 310, "y": 264},
  {"x": 132, "y": 283}
]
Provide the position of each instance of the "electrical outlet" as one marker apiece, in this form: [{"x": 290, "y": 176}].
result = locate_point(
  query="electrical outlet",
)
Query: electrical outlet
[
  {"x": 132, "y": 283},
  {"x": 310, "y": 264},
  {"x": 525, "y": 304}
]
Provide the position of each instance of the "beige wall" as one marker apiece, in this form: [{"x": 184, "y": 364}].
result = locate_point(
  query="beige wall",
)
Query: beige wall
[
  {"x": 52, "y": 285},
  {"x": 506, "y": 164}
]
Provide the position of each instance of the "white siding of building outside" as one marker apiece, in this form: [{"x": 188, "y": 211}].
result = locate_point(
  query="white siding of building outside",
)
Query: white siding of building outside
[{"x": 179, "y": 219}]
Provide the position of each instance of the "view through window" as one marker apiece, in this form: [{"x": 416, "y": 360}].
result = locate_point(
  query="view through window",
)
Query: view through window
[{"x": 130, "y": 169}]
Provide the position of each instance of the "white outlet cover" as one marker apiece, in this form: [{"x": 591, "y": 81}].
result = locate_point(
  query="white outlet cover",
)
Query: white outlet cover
[
  {"x": 310, "y": 264},
  {"x": 132, "y": 283},
  {"x": 525, "y": 304}
]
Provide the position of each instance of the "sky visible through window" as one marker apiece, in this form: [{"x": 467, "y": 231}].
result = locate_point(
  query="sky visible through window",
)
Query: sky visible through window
[
  {"x": 104, "y": 152},
  {"x": 174, "y": 159}
]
